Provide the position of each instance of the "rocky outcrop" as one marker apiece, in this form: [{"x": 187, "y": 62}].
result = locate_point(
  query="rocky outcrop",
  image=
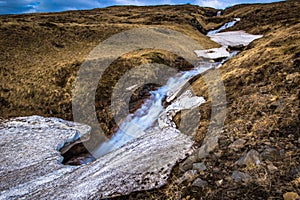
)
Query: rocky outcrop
[{"x": 31, "y": 162}]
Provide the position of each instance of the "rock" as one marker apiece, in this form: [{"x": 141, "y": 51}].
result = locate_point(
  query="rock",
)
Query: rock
[
  {"x": 187, "y": 176},
  {"x": 272, "y": 168},
  {"x": 270, "y": 154},
  {"x": 188, "y": 163},
  {"x": 239, "y": 143},
  {"x": 208, "y": 146},
  {"x": 251, "y": 158},
  {"x": 31, "y": 163},
  {"x": 219, "y": 182},
  {"x": 199, "y": 166},
  {"x": 290, "y": 196},
  {"x": 296, "y": 182},
  {"x": 295, "y": 171},
  {"x": 199, "y": 183},
  {"x": 240, "y": 176},
  {"x": 238, "y": 47}
]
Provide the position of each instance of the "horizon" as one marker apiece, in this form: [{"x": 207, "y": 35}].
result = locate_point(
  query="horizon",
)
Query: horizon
[{"x": 34, "y": 6}]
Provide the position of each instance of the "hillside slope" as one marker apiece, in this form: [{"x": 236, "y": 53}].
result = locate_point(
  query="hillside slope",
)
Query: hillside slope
[
  {"x": 41, "y": 53},
  {"x": 257, "y": 156}
]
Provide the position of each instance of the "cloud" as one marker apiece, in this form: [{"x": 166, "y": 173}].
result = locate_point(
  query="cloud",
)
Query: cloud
[
  {"x": 129, "y": 2},
  {"x": 25, "y": 6},
  {"x": 211, "y": 3},
  {"x": 17, "y": 6}
]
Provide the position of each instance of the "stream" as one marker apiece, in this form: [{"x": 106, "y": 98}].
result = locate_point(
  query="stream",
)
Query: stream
[
  {"x": 136, "y": 125},
  {"x": 140, "y": 156}
]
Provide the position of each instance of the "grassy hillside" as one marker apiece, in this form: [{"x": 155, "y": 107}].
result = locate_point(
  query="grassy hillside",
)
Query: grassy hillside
[
  {"x": 262, "y": 89},
  {"x": 41, "y": 53}
]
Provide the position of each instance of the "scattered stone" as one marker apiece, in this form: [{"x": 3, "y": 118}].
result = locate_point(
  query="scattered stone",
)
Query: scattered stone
[
  {"x": 239, "y": 143},
  {"x": 272, "y": 168},
  {"x": 240, "y": 176},
  {"x": 187, "y": 176},
  {"x": 295, "y": 171},
  {"x": 188, "y": 163},
  {"x": 270, "y": 154},
  {"x": 282, "y": 152},
  {"x": 208, "y": 146},
  {"x": 238, "y": 47},
  {"x": 199, "y": 166},
  {"x": 228, "y": 178},
  {"x": 296, "y": 182},
  {"x": 290, "y": 196},
  {"x": 199, "y": 183},
  {"x": 219, "y": 182},
  {"x": 251, "y": 158}
]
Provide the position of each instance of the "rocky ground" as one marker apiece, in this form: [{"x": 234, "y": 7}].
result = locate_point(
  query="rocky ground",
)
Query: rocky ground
[{"x": 256, "y": 155}]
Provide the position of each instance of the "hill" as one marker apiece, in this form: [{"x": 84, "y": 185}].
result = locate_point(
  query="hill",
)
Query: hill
[{"x": 41, "y": 54}]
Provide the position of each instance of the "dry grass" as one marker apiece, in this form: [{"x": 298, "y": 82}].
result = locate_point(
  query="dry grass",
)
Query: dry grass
[{"x": 41, "y": 53}]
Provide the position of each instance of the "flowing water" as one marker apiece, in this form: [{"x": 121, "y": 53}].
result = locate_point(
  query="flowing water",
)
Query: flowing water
[
  {"x": 145, "y": 117},
  {"x": 225, "y": 26}
]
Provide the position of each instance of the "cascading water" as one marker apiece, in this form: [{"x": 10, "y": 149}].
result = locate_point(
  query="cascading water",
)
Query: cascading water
[
  {"x": 144, "y": 118},
  {"x": 135, "y": 124},
  {"x": 225, "y": 26}
]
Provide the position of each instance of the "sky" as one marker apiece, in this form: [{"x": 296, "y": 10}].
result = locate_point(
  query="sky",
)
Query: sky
[{"x": 30, "y": 6}]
